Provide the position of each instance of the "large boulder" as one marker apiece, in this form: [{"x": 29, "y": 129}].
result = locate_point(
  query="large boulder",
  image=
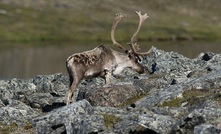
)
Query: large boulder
[
  {"x": 115, "y": 96},
  {"x": 76, "y": 118},
  {"x": 17, "y": 112}
]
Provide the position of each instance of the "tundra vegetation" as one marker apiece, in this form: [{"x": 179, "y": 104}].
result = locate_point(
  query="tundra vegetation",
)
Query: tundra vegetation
[{"x": 68, "y": 21}]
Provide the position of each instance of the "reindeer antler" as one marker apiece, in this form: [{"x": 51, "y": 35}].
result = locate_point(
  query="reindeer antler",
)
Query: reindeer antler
[
  {"x": 117, "y": 19},
  {"x": 133, "y": 44}
]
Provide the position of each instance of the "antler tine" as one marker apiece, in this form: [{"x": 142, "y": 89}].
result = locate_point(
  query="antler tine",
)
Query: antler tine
[
  {"x": 133, "y": 44},
  {"x": 117, "y": 19}
]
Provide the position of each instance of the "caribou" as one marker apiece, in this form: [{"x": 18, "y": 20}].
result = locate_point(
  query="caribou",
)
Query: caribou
[{"x": 103, "y": 61}]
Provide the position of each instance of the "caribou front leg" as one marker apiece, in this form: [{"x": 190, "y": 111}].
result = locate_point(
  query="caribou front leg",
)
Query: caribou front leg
[{"x": 108, "y": 78}]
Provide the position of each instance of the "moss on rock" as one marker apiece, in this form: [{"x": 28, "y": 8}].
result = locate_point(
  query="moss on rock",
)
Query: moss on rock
[
  {"x": 110, "y": 120},
  {"x": 191, "y": 96}
]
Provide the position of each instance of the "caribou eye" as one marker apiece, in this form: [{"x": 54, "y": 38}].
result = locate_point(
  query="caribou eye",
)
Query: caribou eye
[{"x": 139, "y": 59}]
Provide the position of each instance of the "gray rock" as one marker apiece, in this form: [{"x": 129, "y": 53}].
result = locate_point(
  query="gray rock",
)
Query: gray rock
[
  {"x": 180, "y": 95},
  {"x": 157, "y": 123},
  {"x": 116, "y": 95},
  {"x": 40, "y": 100},
  {"x": 84, "y": 124},
  {"x": 213, "y": 63},
  {"x": 197, "y": 73},
  {"x": 66, "y": 116},
  {"x": 17, "y": 112},
  {"x": 210, "y": 81},
  {"x": 1, "y": 104},
  {"x": 138, "y": 121},
  {"x": 161, "y": 63},
  {"x": 188, "y": 124},
  {"x": 206, "y": 129},
  {"x": 57, "y": 83},
  {"x": 207, "y": 56},
  {"x": 203, "y": 113},
  {"x": 15, "y": 89},
  {"x": 50, "y": 92}
]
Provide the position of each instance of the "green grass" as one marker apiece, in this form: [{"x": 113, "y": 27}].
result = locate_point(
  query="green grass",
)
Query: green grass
[
  {"x": 90, "y": 21},
  {"x": 193, "y": 97}
]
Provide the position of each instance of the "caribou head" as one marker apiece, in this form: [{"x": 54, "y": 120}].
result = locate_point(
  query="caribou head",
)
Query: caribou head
[{"x": 104, "y": 61}]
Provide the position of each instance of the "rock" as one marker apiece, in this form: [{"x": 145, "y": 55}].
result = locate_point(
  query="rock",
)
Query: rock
[
  {"x": 161, "y": 63},
  {"x": 174, "y": 95},
  {"x": 74, "y": 118},
  {"x": 17, "y": 112},
  {"x": 1, "y": 104},
  {"x": 197, "y": 73},
  {"x": 189, "y": 124},
  {"x": 213, "y": 63},
  {"x": 116, "y": 95},
  {"x": 147, "y": 84},
  {"x": 209, "y": 81},
  {"x": 50, "y": 92},
  {"x": 207, "y": 56},
  {"x": 52, "y": 83},
  {"x": 85, "y": 124},
  {"x": 157, "y": 123},
  {"x": 42, "y": 92},
  {"x": 141, "y": 121},
  {"x": 40, "y": 100},
  {"x": 206, "y": 129},
  {"x": 15, "y": 89}
]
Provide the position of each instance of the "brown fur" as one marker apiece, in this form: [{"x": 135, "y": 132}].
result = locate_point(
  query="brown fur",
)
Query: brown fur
[
  {"x": 91, "y": 57},
  {"x": 104, "y": 61},
  {"x": 100, "y": 61}
]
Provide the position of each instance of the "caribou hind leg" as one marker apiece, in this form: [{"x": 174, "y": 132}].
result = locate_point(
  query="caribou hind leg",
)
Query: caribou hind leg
[
  {"x": 74, "y": 80},
  {"x": 70, "y": 92},
  {"x": 72, "y": 87}
]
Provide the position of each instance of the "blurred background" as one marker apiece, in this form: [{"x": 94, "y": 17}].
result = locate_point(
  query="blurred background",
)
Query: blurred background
[{"x": 36, "y": 36}]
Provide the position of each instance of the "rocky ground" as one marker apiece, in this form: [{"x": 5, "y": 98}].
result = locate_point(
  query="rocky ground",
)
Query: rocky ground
[{"x": 175, "y": 95}]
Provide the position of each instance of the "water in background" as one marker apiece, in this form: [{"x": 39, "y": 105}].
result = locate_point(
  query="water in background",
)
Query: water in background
[{"x": 26, "y": 62}]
